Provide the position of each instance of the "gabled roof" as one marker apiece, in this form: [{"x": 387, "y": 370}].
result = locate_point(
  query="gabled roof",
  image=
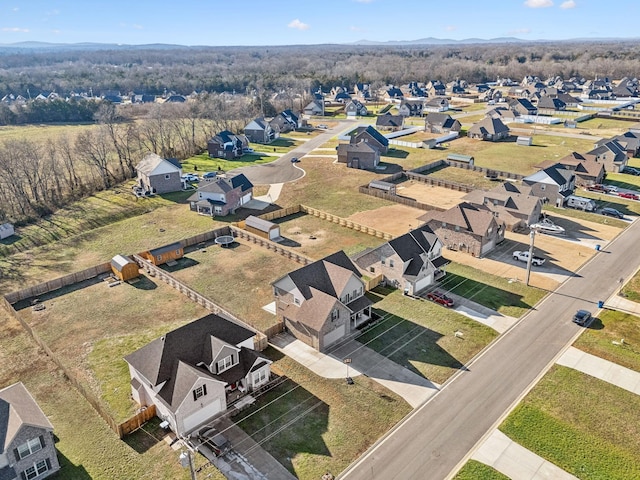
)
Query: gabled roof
[
  {"x": 555, "y": 174},
  {"x": 554, "y": 103},
  {"x": 611, "y": 146},
  {"x": 388, "y": 120},
  {"x": 257, "y": 124},
  {"x": 153, "y": 164},
  {"x": 174, "y": 357},
  {"x": 18, "y": 408},
  {"x": 224, "y": 185},
  {"x": 489, "y": 126},
  {"x": 360, "y": 147},
  {"x": 374, "y": 133},
  {"x": 523, "y": 102},
  {"x": 436, "y": 118},
  {"x": 472, "y": 218}
]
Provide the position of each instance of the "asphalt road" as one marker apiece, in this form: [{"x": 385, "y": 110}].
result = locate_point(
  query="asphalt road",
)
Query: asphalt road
[
  {"x": 437, "y": 438},
  {"x": 282, "y": 170}
]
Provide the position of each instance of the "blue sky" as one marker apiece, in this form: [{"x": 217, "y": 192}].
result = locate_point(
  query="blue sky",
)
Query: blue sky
[{"x": 287, "y": 22}]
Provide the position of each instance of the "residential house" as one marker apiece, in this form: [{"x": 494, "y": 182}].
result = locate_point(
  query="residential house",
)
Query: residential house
[
  {"x": 360, "y": 155},
  {"x": 629, "y": 140},
  {"x": 142, "y": 98},
  {"x": 284, "y": 122},
  {"x": 437, "y": 104},
  {"x": 457, "y": 87},
  {"x": 372, "y": 137},
  {"x": 436, "y": 88},
  {"x": 221, "y": 196},
  {"x": 468, "y": 228},
  {"x": 341, "y": 97},
  {"x": 27, "y": 449},
  {"x": 193, "y": 373},
  {"x": 175, "y": 99},
  {"x": 553, "y": 184},
  {"x": 390, "y": 122},
  {"x": 550, "y": 105},
  {"x": 392, "y": 93},
  {"x": 517, "y": 210},
  {"x": 523, "y": 106},
  {"x": 411, "y": 262},
  {"x": 159, "y": 175},
  {"x": 414, "y": 89},
  {"x": 355, "y": 108},
  {"x": 441, "y": 123},
  {"x": 362, "y": 90},
  {"x": 587, "y": 169},
  {"x": 569, "y": 100},
  {"x": 227, "y": 145},
  {"x": 612, "y": 154},
  {"x": 411, "y": 107},
  {"x": 259, "y": 130},
  {"x": 490, "y": 129},
  {"x": 322, "y": 302},
  {"x": 315, "y": 107}
]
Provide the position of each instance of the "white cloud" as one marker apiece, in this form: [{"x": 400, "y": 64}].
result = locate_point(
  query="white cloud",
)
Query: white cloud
[
  {"x": 568, "y": 4},
  {"x": 450, "y": 28},
  {"x": 15, "y": 29},
  {"x": 298, "y": 25},
  {"x": 538, "y": 3},
  {"x": 353, "y": 28},
  {"x": 519, "y": 31}
]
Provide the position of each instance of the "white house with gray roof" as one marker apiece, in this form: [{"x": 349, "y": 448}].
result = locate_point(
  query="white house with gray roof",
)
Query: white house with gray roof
[{"x": 159, "y": 175}]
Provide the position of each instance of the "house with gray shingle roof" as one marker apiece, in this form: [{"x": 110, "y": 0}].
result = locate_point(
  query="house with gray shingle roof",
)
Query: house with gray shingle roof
[
  {"x": 587, "y": 169},
  {"x": 259, "y": 130},
  {"x": 221, "y": 196},
  {"x": 191, "y": 374},
  {"x": 612, "y": 154},
  {"x": 371, "y": 136},
  {"x": 27, "y": 448},
  {"x": 441, "y": 123},
  {"x": 517, "y": 210},
  {"x": 468, "y": 228},
  {"x": 361, "y": 155},
  {"x": 158, "y": 175},
  {"x": 323, "y": 302},
  {"x": 390, "y": 122},
  {"x": 552, "y": 184},
  {"x": 411, "y": 262},
  {"x": 489, "y": 128}
]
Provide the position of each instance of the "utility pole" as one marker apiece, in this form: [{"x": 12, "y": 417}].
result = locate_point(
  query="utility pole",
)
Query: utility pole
[{"x": 532, "y": 236}]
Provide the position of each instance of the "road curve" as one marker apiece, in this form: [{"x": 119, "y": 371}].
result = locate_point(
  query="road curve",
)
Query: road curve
[{"x": 434, "y": 440}]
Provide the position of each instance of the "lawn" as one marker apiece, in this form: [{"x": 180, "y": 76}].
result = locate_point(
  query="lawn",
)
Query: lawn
[
  {"x": 474, "y": 470},
  {"x": 78, "y": 317},
  {"x": 87, "y": 448},
  {"x": 463, "y": 176},
  {"x": 419, "y": 335},
  {"x": 626, "y": 206},
  {"x": 508, "y": 298},
  {"x": 632, "y": 289},
  {"x": 585, "y": 426},
  {"x": 581, "y": 215},
  {"x": 624, "y": 180},
  {"x": 608, "y": 124},
  {"x": 615, "y": 326},
  {"x": 204, "y": 163},
  {"x": 47, "y": 133},
  {"x": 314, "y": 425}
]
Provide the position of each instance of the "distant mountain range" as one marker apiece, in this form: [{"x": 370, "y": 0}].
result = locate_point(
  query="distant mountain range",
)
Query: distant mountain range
[{"x": 443, "y": 41}]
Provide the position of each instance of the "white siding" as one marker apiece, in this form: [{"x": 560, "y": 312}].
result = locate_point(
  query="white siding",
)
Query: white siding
[{"x": 201, "y": 416}]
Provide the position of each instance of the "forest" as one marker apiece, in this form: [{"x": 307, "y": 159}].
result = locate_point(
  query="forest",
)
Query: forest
[{"x": 233, "y": 85}]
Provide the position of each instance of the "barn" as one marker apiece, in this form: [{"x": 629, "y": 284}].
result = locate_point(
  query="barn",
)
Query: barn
[
  {"x": 124, "y": 268},
  {"x": 262, "y": 228},
  {"x": 161, "y": 255}
]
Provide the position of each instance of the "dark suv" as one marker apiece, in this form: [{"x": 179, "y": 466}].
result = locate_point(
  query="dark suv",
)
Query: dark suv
[
  {"x": 612, "y": 212},
  {"x": 582, "y": 317}
]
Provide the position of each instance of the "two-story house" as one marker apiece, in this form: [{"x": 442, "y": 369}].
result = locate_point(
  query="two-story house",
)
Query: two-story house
[
  {"x": 587, "y": 169},
  {"x": 322, "y": 302},
  {"x": 411, "y": 107},
  {"x": 27, "y": 449},
  {"x": 227, "y": 145},
  {"x": 390, "y": 122},
  {"x": 221, "y": 196},
  {"x": 371, "y": 136},
  {"x": 553, "y": 184},
  {"x": 612, "y": 154},
  {"x": 159, "y": 175},
  {"x": 411, "y": 262},
  {"x": 468, "y": 228},
  {"x": 193, "y": 373},
  {"x": 284, "y": 122},
  {"x": 361, "y": 155},
  {"x": 441, "y": 123},
  {"x": 259, "y": 130},
  {"x": 355, "y": 108},
  {"x": 489, "y": 129}
]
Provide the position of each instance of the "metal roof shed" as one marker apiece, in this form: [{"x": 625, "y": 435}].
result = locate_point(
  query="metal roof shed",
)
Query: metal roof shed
[{"x": 262, "y": 227}]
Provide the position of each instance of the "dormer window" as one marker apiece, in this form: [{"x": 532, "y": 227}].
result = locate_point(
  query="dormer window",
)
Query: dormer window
[{"x": 225, "y": 363}]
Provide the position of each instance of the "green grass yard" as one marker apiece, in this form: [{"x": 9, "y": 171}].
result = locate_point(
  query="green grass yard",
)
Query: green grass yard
[
  {"x": 585, "y": 426},
  {"x": 474, "y": 470}
]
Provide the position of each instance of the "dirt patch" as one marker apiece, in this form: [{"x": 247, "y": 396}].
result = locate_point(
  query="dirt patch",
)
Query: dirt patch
[
  {"x": 430, "y": 194},
  {"x": 393, "y": 219}
]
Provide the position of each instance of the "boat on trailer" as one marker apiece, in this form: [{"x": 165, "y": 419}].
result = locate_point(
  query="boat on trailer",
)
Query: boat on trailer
[{"x": 548, "y": 227}]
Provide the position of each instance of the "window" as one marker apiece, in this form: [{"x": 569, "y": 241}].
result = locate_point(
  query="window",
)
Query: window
[
  {"x": 159, "y": 258},
  {"x": 259, "y": 376},
  {"x": 199, "y": 392},
  {"x": 383, "y": 261},
  {"x": 178, "y": 252},
  {"x": 225, "y": 363},
  {"x": 391, "y": 263},
  {"x": 37, "y": 469},
  {"x": 167, "y": 176},
  {"x": 31, "y": 446},
  {"x": 296, "y": 301},
  {"x": 335, "y": 314},
  {"x": 542, "y": 187},
  {"x": 372, "y": 269}
]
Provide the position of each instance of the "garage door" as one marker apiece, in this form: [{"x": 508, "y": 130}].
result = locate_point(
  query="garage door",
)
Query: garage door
[
  {"x": 202, "y": 415},
  {"x": 488, "y": 247},
  {"x": 422, "y": 283},
  {"x": 245, "y": 199},
  {"x": 333, "y": 336}
]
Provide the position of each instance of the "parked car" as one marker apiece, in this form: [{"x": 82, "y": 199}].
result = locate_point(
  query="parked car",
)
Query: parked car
[
  {"x": 598, "y": 187},
  {"x": 612, "y": 212},
  {"x": 214, "y": 440},
  {"x": 295, "y": 160},
  {"x": 323, "y": 127},
  {"x": 191, "y": 177},
  {"x": 248, "y": 150},
  {"x": 524, "y": 257},
  {"x": 629, "y": 195},
  {"x": 582, "y": 317},
  {"x": 440, "y": 298},
  {"x": 209, "y": 175},
  {"x": 610, "y": 188},
  {"x": 631, "y": 170}
]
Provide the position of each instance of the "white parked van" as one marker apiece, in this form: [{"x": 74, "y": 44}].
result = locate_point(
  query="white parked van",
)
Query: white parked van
[{"x": 586, "y": 204}]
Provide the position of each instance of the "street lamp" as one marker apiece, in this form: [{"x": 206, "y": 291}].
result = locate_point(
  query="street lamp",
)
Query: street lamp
[{"x": 347, "y": 361}]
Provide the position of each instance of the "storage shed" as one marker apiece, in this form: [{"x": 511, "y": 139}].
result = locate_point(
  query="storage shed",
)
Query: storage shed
[
  {"x": 262, "y": 228},
  {"x": 460, "y": 158},
  {"x": 387, "y": 187},
  {"x": 6, "y": 230},
  {"x": 161, "y": 255},
  {"x": 124, "y": 268},
  {"x": 525, "y": 141}
]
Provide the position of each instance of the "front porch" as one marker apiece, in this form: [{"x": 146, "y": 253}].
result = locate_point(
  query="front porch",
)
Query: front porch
[{"x": 360, "y": 312}]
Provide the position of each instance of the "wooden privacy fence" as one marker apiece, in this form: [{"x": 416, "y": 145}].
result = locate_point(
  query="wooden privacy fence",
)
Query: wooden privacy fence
[
  {"x": 440, "y": 182},
  {"x": 373, "y": 282},
  {"x": 283, "y": 212},
  {"x": 269, "y": 245},
  {"x": 137, "y": 420},
  {"x": 475, "y": 168},
  {"x": 192, "y": 295},
  {"x": 343, "y": 222},
  {"x": 409, "y": 202}
]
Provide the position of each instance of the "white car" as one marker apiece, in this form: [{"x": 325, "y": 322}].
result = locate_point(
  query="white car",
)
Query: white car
[
  {"x": 190, "y": 177},
  {"x": 524, "y": 257}
]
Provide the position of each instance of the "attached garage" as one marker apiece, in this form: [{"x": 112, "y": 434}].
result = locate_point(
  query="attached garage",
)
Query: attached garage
[
  {"x": 488, "y": 247},
  {"x": 422, "y": 283},
  {"x": 262, "y": 228},
  {"x": 201, "y": 416},
  {"x": 246, "y": 198},
  {"x": 333, "y": 336}
]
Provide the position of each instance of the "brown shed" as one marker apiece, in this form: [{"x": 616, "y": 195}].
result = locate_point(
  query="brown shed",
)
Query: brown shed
[
  {"x": 124, "y": 268},
  {"x": 165, "y": 254},
  {"x": 262, "y": 228}
]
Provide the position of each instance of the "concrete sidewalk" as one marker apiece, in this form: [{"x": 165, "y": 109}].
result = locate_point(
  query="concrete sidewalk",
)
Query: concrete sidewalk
[
  {"x": 603, "y": 369},
  {"x": 616, "y": 302},
  {"x": 272, "y": 195},
  {"x": 515, "y": 461}
]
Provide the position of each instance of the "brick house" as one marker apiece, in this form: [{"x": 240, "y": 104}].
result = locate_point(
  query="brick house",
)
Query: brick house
[
  {"x": 371, "y": 136},
  {"x": 27, "y": 449},
  {"x": 221, "y": 196},
  {"x": 322, "y": 302},
  {"x": 587, "y": 169},
  {"x": 361, "y": 155},
  {"x": 468, "y": 228},
  {"x": 411, "y": 107},
  {"x": 612, "y": 154},
  {"x": 553, "y": 184},
  {"x": 284, "y": 122},
  {"x": 227, "y": 145},
  {"x": 490, "y": 129},
  {"x": 259, "y": 130},
  {"x": 159, "y": 175},
  {"x": 441, "y": 123},
  {"x": 355, "y": 108},
  {"x": 411, "y": 262}
]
